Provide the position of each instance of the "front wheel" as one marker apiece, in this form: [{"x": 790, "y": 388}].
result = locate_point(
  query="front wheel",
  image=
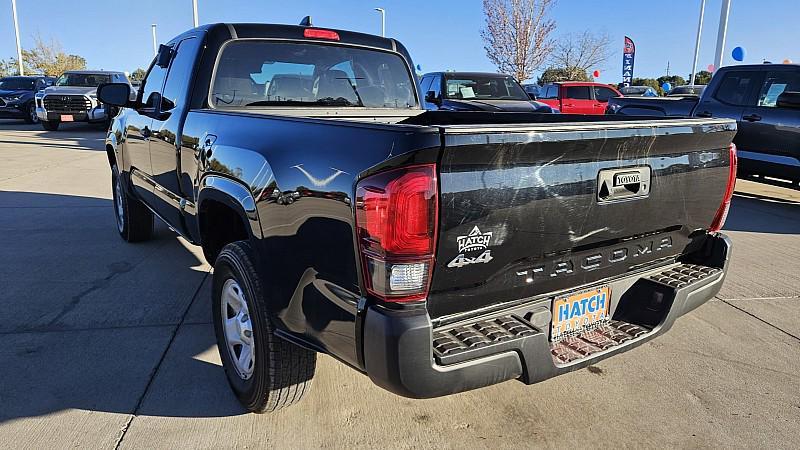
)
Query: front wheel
[
  {"x": 134, "y": 220},
  {"x": 50, "y": 125},
  {"x": 31, "y": 117},
  {"x": 265, "y": 372}
]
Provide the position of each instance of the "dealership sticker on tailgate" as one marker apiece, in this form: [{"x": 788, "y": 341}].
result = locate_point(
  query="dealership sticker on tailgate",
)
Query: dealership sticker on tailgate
[{"x": 579, "y": 311}]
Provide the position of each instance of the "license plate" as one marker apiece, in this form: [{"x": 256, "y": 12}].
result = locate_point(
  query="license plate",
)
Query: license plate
[
  {"x": 579, "y": 311},
  {"x": 67, "y": 118}
]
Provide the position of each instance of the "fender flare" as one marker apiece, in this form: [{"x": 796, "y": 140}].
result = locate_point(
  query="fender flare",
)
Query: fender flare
[{"x": 234, "y": 195}]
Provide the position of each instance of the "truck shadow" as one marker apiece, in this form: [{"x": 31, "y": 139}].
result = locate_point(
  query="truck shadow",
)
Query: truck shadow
[
  {"x": 74, "y": 136},
  {"x": 762, "y": 214},
  {"x": 89, "y": 322}
]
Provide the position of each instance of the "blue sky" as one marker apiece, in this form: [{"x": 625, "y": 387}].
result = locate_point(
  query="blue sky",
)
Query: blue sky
[{"x": 440, "y": 35}]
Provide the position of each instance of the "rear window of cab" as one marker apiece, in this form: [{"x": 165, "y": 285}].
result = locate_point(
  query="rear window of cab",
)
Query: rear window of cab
[{"x": 263, "y": 73}]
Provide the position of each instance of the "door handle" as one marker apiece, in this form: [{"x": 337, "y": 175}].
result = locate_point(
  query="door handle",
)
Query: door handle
[
  {"x": 146, "y": 133},
  {"x": 752, "y": 118},
  {"x": 703, "y": 114}
]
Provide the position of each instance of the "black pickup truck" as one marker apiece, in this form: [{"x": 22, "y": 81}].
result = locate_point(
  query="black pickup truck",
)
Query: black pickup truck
[
  {"x": 765, "y": 101},
  {"x": 434, "y": 251}
]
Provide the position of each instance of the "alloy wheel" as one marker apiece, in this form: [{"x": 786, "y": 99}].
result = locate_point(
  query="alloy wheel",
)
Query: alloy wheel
[{"x": 238, "y": 328}]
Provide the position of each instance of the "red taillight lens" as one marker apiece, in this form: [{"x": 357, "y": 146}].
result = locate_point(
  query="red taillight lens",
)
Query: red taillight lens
[
  {"x": 321, "y": 34},
  {"x": 722, "y": 212},
  {"x": 396, "y": 214}
]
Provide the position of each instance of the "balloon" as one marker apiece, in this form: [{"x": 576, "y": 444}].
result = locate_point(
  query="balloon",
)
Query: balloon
[
  {"x": 710, "y": 67},
  {"x": 596, "y": 74},
  {"x": 666, "y": 86},
  {"x": 738, "y": 54},
  {"x": 787, "y": 61}
]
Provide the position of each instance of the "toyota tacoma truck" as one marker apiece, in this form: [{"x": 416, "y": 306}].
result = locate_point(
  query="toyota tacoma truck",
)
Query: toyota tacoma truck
[
  {"x": 765, "y": 101},
  {"x": 433, "y": 251},
  {"x": 73, "y": 98}
]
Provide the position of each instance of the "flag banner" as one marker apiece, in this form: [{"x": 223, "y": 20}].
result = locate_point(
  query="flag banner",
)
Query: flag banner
[{"x": 628, "y": 54}]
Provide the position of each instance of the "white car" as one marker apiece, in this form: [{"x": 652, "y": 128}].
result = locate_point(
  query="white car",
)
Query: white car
[{"x": 73, "y": 98}]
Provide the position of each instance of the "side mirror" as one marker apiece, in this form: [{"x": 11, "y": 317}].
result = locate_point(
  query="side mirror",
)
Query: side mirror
[
  {"x": 431, "y": 97},
  {"x": 116, "y": 94},
  {"x": 532, "y": 96},
  {"x": 164, "y": 56},
  {"x": 788, "y": 99}
]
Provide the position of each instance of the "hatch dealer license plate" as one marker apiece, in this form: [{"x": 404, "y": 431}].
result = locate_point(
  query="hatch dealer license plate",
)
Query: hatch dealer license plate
[
  {"x": 579, "y": 311},
  {"x": 66, "y": 118}
]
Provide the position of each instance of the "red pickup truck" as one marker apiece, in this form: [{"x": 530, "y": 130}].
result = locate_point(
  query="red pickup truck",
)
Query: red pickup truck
[{"x": 578, "y": 97}]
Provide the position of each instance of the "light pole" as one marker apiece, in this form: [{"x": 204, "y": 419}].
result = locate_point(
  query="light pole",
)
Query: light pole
[
  {"x": 194, "y": 13},
  {"x": 723, "y": 31},
  {"x": 383, "y": 20},
  {"x": 155, "y": 44},
  {"x": 16, "y": 34},
  {"x": 697, "y": 43}
]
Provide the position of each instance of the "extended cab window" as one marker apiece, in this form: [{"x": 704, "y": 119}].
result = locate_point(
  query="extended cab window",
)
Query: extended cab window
[
  {"x": 775, "y": 84},
  {"x": 734, "y": 88},
  {"x": 579, "y": 92},
  {"x": 265, "y": 73}
]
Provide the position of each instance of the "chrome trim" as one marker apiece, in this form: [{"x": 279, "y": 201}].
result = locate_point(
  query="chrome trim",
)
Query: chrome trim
[{"x": 765, "y": 157}]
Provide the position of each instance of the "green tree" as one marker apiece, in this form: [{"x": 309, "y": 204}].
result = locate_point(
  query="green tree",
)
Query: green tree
[
  {"x": 674, "y": 80},
  {"x": 49, "y": 58},
  {"x": 652, "y": 82},
  {"x": 702, "y": 77},
  {"x": 553, "y": 74},
  {"x": 137, "y": 75}
]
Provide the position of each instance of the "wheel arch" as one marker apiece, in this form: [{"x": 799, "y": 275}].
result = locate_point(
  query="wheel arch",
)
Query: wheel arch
[{"x": 226, "y": 213}]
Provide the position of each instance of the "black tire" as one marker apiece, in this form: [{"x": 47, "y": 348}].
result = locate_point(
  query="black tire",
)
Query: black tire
[
  {"x": 50, "y": 125},
  {"x": 282, "y": 371},
  {"x": 31, "y": 118},
  {"x": 134, "y": 220}
]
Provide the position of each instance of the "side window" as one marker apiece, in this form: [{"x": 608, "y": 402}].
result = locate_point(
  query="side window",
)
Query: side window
[
  {"x": 436, "y": 85},
  {"x": 775, "y": 83},
  {"x": 579, "y": 92},
  {"x": 551, "y": 91},
  {"x": 150, "y": 91},
  {"x": 602, "y": 94},
  {"x": 176, "y": 89},
  {"x": 734, "y": 88},
  {"x": 425, "y": 85}
]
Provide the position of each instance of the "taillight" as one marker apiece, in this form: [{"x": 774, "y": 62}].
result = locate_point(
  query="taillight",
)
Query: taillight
[
  {"x": 321, "y": 34},
  {"x": 396, "y": 215},
  {"x": 722, "y": 212}
]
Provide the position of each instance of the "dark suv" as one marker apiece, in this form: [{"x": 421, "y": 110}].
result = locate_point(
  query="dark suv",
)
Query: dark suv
[{"x": 17, "y": 97}]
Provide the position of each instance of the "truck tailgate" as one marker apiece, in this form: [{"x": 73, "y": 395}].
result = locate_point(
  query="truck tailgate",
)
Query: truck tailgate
[{"x": 528, "y": 210}]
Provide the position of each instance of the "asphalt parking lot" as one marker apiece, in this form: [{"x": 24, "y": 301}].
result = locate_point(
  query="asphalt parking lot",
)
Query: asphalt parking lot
[{"x": 109, "y": 345}]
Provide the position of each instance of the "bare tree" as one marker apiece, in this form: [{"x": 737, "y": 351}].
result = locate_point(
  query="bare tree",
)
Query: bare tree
[
  {"x": 517, "y": 35},
  {"x": 577, "y": 53}
]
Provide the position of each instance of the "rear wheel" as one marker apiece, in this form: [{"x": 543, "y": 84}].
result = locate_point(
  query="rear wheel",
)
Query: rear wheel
[
  {"x": 32, "y": 117},
  {"x": 134, "y": 220},
  {"x": 50, "y": 125},
  {"x": 265, "y": 372}
]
